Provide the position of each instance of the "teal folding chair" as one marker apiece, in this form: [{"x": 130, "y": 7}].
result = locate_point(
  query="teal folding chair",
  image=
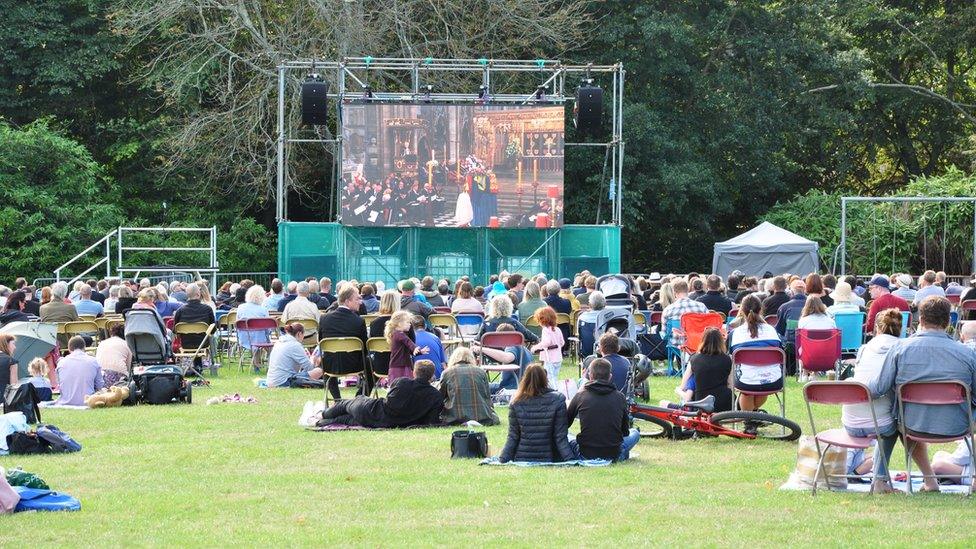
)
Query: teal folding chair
[{"x": 851, "y": 326}]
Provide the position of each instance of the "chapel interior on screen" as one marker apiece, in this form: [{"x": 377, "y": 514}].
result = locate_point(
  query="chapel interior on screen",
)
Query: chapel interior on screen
[{"x": 431, "y": 165}]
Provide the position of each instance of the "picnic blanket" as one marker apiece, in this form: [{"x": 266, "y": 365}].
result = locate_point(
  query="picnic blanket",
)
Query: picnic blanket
[
  {"x": 573, "y": 463},
  {"x": 343, "y": 427},
  {"x": 54, "y": 404},
  {"x": 901, "y": 485}
]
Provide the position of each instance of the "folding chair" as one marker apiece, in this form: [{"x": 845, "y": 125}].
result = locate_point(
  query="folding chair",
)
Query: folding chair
[
  {"x": 906, "y": 321},
  {"x": 469, "y": 325},
  {"x": 733, "y": 313},
  {"x": 772, "y": 320},
  {"x": 90, "y": 318},
  {"x": 818, "y": 351},
  {"x": 368, "y": 319},
  {"x": 640, "y": 319},
  {"x": 311, "y": 338},
  {"x": 952, "y": 394},
  {"x": 723, "y": 315},
  {"x": 443, "y": 310},
  {"x": 838, "y": 392},
  {"x": 203, "y": 350},
  {"x": 564, "y": 322},
  {"x": 379, "y": 357},
  {"x": 694, "y": 325},
  {"x": 954, "y": 299},
  {"x": 255, "y": 326},
  {"x": 964, "y": 308},
  {"x": 851, "y": 326},
  {"x": 499, "y": 340},
  {"x": 532, "y": 324},
  {"x": 761, "y": 356},
  {"x": 338, "y": 345},
  {"x": 84, "y": 328},
  {"x": 447, "y": 323},
  {"x": 226, "y": 321},
  {"x": 673, "y": 352}
]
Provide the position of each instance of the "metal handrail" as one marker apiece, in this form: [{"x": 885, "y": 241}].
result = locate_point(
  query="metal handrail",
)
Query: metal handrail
[{"x": 108, "y": 268}]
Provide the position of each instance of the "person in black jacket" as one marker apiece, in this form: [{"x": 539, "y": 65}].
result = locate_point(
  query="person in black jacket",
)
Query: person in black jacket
[
  {"x": 13, "y": 310},
  {"x": 193, "y": 311},
  {"x": 713, "y": 298},
  {"x": 771, "y": 304},
  {"x": 345, "y": 322},
  {"x": 537, "y": 421},
  {"x": 409, "y": 402},
  {"x": 605, "y": 431}
]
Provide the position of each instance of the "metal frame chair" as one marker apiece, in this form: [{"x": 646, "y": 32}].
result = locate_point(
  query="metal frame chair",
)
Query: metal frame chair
[
  {"x": 448, "y": 322},
  {"x": 203, "y": 350},
  {"x": 341, "y": 345},
  {"x": 467, "y": 322},
  {"x": 267, "y": 325},
  {"x": 934, "y": 393},
  {"x": 851, "y": 326},
  {"x": 80, "y": 328},
  {"x": 761, "y": 356},
  {"x": 374, "y": 346},
  {"x": 823, "y": 351},
  {"x": 310, "y": 339},
  {"x": 498, "y": 340},
  {"x": 837, "y": 393}
]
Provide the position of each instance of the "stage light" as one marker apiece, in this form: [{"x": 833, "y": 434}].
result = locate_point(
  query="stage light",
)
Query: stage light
[
  {"x": 483, "y": 93},
  {"x": 427, "y": 91},
  {"x": 367, "y": 92},
  {"x": 540, "y": 93},
  {"x": 315, "y": 100}
]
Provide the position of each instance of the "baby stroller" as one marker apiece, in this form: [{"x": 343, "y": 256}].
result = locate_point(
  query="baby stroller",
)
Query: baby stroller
[
  {"x": 616, "y": 289},
  {"x": 153, "y": 378}
]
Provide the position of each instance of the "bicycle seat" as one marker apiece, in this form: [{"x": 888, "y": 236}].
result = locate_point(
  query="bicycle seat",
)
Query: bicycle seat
[{"x": 706, "y": 404}]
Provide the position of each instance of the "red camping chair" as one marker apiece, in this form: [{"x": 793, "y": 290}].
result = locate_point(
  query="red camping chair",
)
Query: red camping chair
[
  {"x": 761, "y": 356},
  {"x": 837, "y": 392},
  {"x": 694, "y": 324},
  {"x": 818, "y": 350},
  {"x": 951, "y": 394}
]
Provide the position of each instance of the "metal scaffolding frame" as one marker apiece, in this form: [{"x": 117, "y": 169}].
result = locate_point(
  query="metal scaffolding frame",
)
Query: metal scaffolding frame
[
  {"x": 911, "y": 199},
  {"x": 555, "y": 86}
]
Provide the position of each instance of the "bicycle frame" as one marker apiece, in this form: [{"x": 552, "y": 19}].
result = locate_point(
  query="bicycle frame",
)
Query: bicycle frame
[{"x": 695, "y": 420}]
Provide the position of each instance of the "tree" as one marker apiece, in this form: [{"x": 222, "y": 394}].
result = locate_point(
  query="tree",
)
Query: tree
[{"x": 51, "y": 198}]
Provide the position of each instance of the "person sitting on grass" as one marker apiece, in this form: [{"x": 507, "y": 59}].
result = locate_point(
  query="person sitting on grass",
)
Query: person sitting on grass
[
  {"x": 465, "y": 389},
  {"x": 605, "y": 431},
  {"x": 402, "y": 348},
  {"x": 929, "y": 355},
  {"x": 8, "y": 364},
  {"x": 38, "y": 369},
  {"x": 79, "y": 374},
  {"x": 550, "y": 348},
  {"x": 410, "y": 401},
  {"x": 288, "y": 363},
  {"x": 537, "y": 421},
  {"x": 114, "y": 356},
  {"x": 752, "y": 331}
]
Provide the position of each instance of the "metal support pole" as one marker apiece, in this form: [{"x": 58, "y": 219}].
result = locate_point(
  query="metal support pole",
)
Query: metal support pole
[
  {"x": 974, "y": 237},
  {"x": 280, "y": 190},
  {"x": 108, "y": 257},
  {"x": 118, "y": 264},
  {"x": 613, "y": 164},
  {"x": 843, "y": 236}
]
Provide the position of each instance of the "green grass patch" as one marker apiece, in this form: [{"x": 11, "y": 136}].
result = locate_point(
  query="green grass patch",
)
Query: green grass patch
[{"x": 235, "y": 474}]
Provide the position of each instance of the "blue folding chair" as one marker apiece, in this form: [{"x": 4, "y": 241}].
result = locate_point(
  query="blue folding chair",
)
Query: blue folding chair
[
  {"x": 851, "y": 326},
  {"x": 469, "y": 324},
  {"x": 673, "y": 352},
  {"x": 906, "y": 319}
]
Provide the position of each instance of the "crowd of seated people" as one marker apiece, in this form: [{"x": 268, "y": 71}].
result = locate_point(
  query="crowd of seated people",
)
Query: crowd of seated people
[{"x": 425, "y": 386}]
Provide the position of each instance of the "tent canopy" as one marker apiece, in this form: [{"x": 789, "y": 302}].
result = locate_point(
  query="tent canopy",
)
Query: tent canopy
[{"x": 766, "y": 248}]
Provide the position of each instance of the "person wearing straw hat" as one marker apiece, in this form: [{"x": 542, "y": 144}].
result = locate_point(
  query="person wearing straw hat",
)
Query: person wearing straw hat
[{"x": 842, "y": 296}]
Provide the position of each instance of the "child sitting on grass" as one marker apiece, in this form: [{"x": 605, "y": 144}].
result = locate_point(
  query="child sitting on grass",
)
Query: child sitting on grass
[{"x": 37, "y": 369}]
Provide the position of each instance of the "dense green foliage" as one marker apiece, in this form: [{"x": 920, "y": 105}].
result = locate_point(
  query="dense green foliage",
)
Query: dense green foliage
[
  {"x": 890, "y": 237},
  {"x": 731, "y": 107}
]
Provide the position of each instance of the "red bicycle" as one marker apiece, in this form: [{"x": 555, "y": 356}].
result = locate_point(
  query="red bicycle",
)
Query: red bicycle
[{"x": 696, "y": 419}]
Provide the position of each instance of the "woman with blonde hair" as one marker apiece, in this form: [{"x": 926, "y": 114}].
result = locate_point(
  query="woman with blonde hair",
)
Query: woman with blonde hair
[
  {"x": 537, "y": 421},
  {"x": 466, "y": 391},
  {"x": 253, "y": 307},
  {"x": 402, "y": 347},
  {"x": 389, "y": 304},
  {"x": 666, "y": 297}
]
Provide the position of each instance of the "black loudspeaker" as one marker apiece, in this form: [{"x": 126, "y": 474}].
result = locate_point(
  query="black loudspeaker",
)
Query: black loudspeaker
[
  {"x": 315, "y": 102},
  {"x": 589, "y": 109}
]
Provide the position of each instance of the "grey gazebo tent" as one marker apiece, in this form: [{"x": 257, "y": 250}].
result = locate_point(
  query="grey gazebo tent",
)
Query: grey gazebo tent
[{"x": 766, "y": 248}]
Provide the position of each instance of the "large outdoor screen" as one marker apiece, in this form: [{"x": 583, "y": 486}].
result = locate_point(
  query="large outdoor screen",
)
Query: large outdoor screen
[{"x": 435, "y": 165}]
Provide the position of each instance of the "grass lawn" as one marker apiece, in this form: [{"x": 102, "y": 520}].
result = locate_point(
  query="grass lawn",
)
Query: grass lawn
[{"x": 233, "y": 474}]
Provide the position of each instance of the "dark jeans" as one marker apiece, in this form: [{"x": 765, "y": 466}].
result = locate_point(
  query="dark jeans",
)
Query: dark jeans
[{"x": 361, "y": 410}]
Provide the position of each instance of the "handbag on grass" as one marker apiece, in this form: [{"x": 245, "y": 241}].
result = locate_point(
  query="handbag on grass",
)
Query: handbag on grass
[{"x": 469, "y": 444}]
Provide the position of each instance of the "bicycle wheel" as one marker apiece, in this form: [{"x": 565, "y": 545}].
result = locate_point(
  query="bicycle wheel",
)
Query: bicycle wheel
[
  {"x": 650, "y": 426},
  {"x": 767, "y": 425}
]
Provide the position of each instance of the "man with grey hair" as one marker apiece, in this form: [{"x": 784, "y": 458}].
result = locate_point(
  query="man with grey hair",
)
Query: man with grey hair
[
  {"x": 313, "y": 294},
  {"x": 290, "y": 296},
  {"x": 554, "y": 300},
  {"x": 57, "y": 310},
  {"x": 177, "y": 291},
  {"x": 193, "y": 311},
  {"x": 300, "y": 307}
]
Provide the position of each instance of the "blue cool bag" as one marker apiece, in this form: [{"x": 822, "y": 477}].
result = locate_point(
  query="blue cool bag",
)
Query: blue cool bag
[{"x": 34, "y": 499}]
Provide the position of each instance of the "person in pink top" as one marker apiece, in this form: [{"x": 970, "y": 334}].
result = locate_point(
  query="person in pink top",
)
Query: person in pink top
[
  {"x": 550, "y": 346},
  {"x": 402, "y": 348}
]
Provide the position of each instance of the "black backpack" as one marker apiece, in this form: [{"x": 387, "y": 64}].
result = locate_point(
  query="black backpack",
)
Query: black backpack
[
  {"x": 22, "y": 398},
  {"x": 26, "y": 443}
]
